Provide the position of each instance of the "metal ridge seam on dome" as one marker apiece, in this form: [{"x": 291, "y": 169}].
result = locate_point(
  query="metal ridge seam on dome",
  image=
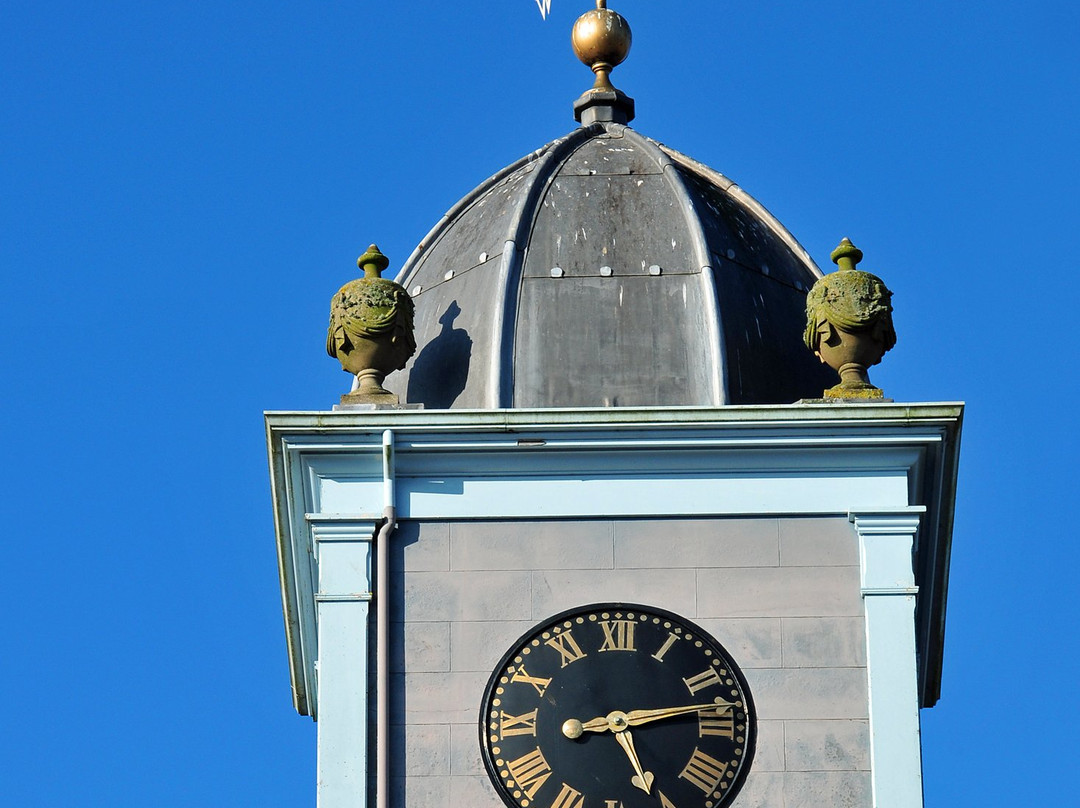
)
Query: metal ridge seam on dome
[
  {"x": 515, "y": 250},
  {"x": 717, "y": 373},
  {"x": 412, "y": 263},
  {"x": 738, "y": 192},
  {"x": 798, "y": 286}
]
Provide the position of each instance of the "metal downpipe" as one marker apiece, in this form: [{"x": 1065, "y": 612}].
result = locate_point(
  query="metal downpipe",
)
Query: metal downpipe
[{"x": 382, "y": 627}]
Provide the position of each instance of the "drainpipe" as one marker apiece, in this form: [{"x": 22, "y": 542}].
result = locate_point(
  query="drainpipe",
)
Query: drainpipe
[{"x": 382, "y": 628}]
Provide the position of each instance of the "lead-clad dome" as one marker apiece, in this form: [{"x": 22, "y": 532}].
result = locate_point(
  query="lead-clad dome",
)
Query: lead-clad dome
[{"x": 606, "y": 269}]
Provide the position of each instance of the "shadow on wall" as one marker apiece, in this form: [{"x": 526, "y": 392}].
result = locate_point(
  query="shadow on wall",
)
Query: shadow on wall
[
  {"x": 407, "y": 533},
  {"x": 441, "y": 370}
]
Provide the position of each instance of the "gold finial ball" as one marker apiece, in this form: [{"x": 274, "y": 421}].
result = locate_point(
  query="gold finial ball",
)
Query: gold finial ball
[{"x": 601, "y": 36}]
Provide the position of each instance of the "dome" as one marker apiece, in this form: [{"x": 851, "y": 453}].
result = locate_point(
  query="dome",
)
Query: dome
[{"x": 609, "y": 270}]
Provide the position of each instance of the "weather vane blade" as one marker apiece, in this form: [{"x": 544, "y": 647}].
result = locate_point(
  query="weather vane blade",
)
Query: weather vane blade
[{"x": 545, "y": 7}]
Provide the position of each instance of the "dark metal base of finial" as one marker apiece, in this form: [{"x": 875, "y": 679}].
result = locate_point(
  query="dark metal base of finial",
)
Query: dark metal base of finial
[{"x": 604, "y": 106}]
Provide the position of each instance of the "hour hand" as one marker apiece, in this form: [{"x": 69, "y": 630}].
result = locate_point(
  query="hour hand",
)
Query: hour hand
[{"x": 635, "y": 718}]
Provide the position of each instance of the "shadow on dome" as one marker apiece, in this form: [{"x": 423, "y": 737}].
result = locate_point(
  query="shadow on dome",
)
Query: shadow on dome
[{"x": 441, "y": 370}]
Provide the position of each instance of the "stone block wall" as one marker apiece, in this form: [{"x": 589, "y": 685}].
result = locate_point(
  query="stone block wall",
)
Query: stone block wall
[{"x": 782, "y": 595}]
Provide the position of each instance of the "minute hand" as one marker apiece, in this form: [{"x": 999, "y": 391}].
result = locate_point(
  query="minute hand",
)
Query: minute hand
[{"x": 637, "y": 717}]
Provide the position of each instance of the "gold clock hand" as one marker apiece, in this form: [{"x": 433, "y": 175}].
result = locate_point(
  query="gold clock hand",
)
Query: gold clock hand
[
  {"x": 642, "y": 779},
  {"x": 614, "y": 721},
  {"x": 573, "y": 728},
  {"x": 635, "y": 718},
  {"x": 617, "y": 720}
]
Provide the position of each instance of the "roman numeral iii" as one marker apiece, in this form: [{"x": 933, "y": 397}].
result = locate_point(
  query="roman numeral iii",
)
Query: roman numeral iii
[{"x": 713, "y": 724}]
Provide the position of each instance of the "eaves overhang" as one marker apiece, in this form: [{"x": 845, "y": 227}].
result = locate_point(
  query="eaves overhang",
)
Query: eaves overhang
[{"x": 765, "y": 460}]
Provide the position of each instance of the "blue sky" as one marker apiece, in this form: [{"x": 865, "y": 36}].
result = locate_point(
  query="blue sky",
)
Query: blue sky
[{"x": 186, "y": 184}]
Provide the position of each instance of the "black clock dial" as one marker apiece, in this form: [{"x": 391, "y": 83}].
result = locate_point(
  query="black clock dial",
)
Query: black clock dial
[{"x": 617, "y": 706}]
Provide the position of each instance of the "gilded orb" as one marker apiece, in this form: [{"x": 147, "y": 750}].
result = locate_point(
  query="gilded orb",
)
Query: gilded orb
[{"x": 601, "y": 37}]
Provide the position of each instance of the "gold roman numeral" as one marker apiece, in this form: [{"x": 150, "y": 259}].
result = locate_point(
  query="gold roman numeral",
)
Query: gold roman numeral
[
  {"x": 568, "y": 798},
  {"x": 521, "y": 675},
  {"x": 618, "y": 635},
  {"x": 670, "y": 641},
  {"x": 517, "y": 724},
  {"x": 613, "y": 804},
  {"x": 703, "y": 771},
  {"x": 567, "y": 647},
  {"x": 530, "y": 772},
  {"x": 706, "y": 678},
  {"x": 664, "y": 801},
  {"x": 709, "y": 723}
]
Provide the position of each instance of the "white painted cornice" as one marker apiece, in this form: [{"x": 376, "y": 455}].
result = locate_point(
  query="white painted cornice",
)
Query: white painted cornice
[{"x": 327, "y": 471}]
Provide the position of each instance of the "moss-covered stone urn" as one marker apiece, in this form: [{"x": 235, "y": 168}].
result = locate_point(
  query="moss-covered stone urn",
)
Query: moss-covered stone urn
[
  {"x": 371, "y": 330},
  {"x": 849, "y": 324}
]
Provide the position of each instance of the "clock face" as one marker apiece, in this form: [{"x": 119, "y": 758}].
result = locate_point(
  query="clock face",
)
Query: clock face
[{"x": 617, "y": 706}]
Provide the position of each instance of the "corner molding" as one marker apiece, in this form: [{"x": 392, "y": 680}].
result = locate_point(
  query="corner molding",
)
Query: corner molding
[{"x": 887, "y": 580}]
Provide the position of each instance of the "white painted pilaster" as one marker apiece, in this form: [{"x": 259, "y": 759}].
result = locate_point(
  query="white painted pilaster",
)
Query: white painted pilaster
[
  {"x": 343, "y": 553},
  {"x": 886, "y": 546}
]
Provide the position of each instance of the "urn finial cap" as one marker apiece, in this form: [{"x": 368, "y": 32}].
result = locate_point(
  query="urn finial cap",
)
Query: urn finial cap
[
  {"x": 847, "y": 255},
  {"x": 373, "y": 262}
]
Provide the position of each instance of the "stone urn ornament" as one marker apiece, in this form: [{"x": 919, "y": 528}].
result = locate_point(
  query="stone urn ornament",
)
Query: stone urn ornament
[
  {"x": 849, "y": 324},
  {"x": 371, "y": 330}
]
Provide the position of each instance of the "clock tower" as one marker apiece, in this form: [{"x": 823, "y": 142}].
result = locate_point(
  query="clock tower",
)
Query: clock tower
[{"x": 619, "y": 547}]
